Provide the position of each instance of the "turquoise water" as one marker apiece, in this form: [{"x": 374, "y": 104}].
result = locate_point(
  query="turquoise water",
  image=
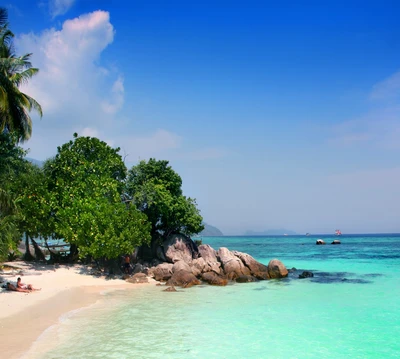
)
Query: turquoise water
[{"x": 350, "y": 309}]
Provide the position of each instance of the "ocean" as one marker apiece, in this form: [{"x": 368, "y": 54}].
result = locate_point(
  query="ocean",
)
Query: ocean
[{"x": 349, "y": 309}]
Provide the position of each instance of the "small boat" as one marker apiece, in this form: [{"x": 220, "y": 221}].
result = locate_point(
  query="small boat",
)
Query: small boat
[
  {"x": 307, "y": 234},
  {"x": 338, "y": 232}
]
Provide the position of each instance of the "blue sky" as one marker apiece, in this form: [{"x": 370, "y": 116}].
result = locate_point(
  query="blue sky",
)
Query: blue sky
[{"x": 276, "y": 116}]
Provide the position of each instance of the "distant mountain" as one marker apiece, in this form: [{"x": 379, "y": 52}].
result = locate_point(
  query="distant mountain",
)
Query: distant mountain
[
  {"x": 210, "y": 231},
  {"x": 271, "y": 232},
  {"x": 35, "y": 162}
]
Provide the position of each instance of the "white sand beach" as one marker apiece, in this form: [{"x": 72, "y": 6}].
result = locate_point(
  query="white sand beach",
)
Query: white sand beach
[{"x": 24, "y": 316}]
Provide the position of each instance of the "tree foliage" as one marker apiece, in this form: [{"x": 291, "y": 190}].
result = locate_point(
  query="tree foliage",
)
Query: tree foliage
[
  {"x": 156, "y": 190},
  {"x": 12, "y": 165},
  {"x": 14, "y": 71},
  {"x": 85, "y": 180}
]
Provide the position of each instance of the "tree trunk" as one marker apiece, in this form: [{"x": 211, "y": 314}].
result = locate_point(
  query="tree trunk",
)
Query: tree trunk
[
  {"x": 73, "y": 253},
  {"x": 28, "y": 255},
  {"x": 38, "y": 252}
]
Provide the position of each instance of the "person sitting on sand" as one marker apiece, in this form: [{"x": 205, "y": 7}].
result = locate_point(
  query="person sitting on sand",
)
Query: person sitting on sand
[
  {"x": 16, "y": 289},
  {"x": 21, "y": 285}
]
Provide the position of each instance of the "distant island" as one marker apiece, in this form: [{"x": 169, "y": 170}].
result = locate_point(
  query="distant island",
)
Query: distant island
[
  {"x": 271, "y": 232},
  {"x": 210, "y": 231}
]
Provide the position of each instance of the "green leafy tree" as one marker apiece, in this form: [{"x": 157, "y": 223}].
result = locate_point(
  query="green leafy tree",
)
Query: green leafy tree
[
  {"x": 14, "y": 71},
  {"x": 85, "y": 180},
  {"x": 155, "y": 188},
  {"x": 12, "y": 165}
]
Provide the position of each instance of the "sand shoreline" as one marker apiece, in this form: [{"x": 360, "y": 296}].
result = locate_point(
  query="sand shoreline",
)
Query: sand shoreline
[{"x": 25, "y": 316}]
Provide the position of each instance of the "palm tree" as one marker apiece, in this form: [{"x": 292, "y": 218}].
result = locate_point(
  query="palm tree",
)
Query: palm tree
[{"x": 14, "y": 71}]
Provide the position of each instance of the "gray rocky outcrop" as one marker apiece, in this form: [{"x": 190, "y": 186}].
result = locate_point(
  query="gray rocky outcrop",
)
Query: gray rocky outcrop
[
  {"x": 257, "y": 269},
  {"x": 233, "y": 267},
  {"x": 276, "y": 269},
  {"x": 178, "y": 247},
  {"x": 186, "y": 265},
  {"x": 183, "y": 278},
  {"x": 181, "y": 265},
  {"x": 209, "y": 255},
  {"x": 214, "y": 279},
  {"x": 162, "y": 272}
]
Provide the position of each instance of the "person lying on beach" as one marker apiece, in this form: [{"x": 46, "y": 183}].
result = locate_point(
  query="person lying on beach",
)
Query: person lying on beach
[
  {"x": 16, "y": 289},
  {"x": 21, "y": 285}
]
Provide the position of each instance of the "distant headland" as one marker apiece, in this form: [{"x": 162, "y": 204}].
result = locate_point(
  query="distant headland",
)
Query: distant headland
[
  {"x": 271, "y": 232},
  {"x": 210, "y": 230}
]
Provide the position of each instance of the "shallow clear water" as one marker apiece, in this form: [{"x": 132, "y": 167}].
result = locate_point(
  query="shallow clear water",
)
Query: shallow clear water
[{"x": 350, "y": 309}]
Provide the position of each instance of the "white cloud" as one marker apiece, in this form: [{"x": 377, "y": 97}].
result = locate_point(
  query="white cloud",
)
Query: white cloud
[
  {"x": 380, "y": 125},
  {"x": 388, "y": 89},
  {"x": 139, "y": 147},
  {"x": 116, "y": 100},
  {"x": 88, "y": 132},
  {"x": 59, "y": 7},
  {"x": 71, "y": 85},
  {"x": 79, "y": 94}
]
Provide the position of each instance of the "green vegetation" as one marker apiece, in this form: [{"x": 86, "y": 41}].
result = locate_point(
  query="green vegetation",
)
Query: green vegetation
[
  {"x": 155, "y": 189},
  {"x": 14, "y": 71},
  {"x": 84, "y": 195}
]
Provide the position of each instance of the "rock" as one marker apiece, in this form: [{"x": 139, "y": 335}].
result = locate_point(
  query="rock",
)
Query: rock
[
  {"x": 246, "y": 279},
  {"x": 214, "y": 279},
  {"x": 138, "y": 268},
  {"x": 198, "y": 266},
  {"x": 276, "y": 269},
  {"x": 233, "y": 267},
  {"x": 181, "y": 265},
  {"x": 257, "y": 269},
  {"x": 183, "y": 279},
  {"x": 319, "y": 241},
  {"x": 306, "y": 274},
  {"x": 162, "y": 272},
  {"x": 336, "y": 241},
  {"x": 160, "y": 254},
  {"x": 170, "y": 289},
  {"x": 179, "y": 248},
  {"x": 138, "y": 278},
  {"x": 210, "y": 257}
]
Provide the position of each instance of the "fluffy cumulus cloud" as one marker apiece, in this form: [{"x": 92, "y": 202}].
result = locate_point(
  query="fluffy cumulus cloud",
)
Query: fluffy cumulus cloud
[
  {"x": 59, "y": 7},
  {"x": 71, "y": 86},
  {"x": 79, "y": 94}
]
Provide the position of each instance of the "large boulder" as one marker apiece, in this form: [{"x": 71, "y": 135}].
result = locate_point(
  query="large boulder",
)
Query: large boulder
[
  {"x": 257, "y": 269},
  {"x": 162, "y": 272},
  {"x": 181, "y": 265},
  {"x": 276, "y": 269},
  {"x": 210, "y": 257},
  {"x": 233, "y": 267},
  {"x": 183, "y": 279},
  {"x": 214, "y": 279},
  {"x": 178, "y": 247},
  {"x": 198, "y": 266}
]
